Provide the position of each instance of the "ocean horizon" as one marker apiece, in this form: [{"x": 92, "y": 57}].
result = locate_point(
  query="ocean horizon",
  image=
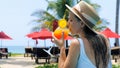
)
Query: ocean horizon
[{"x": 15, "y": 49}]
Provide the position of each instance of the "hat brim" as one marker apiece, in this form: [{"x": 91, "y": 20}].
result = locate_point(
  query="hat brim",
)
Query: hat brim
[{"x": 74, "y": 12}]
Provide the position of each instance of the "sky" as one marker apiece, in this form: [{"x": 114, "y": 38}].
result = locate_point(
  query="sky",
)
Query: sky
[{"x": 15, "y": 16}]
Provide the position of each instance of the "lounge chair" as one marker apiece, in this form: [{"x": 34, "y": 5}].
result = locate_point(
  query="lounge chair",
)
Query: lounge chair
[
  {"x": 39, "y": 53},
  {"x": 4, "y": 53},
  {"x": 55, "y": 51},
  {"x": 28, "y": 52},
  {"x": 115, "y": 52}
]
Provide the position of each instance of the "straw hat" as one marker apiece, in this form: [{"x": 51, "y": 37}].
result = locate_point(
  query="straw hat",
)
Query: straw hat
[{"x": 85, "y": 11}]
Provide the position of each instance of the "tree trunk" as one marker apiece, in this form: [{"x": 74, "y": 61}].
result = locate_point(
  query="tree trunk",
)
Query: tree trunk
[{"x": 117, "y": 22}]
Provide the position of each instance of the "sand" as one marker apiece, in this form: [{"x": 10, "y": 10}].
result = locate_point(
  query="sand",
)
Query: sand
[
  {"x": 17, "y": 62},
  {"x": 24, "y": 62}
]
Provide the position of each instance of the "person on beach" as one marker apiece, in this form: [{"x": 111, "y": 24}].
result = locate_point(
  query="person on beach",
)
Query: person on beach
[{"x": 91, "y": 50}]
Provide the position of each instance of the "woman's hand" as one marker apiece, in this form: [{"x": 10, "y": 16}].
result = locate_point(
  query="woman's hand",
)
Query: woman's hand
[{"x": 59, "y": 42}]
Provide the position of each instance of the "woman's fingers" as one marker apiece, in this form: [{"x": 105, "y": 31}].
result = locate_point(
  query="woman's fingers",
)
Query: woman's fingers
[
  {"x": 59, "y": 42},
  {"x": 54, "y": 38}
]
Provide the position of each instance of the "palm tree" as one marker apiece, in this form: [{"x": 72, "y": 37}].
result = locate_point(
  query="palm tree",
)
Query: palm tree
[{"x": 56, "y": 10}]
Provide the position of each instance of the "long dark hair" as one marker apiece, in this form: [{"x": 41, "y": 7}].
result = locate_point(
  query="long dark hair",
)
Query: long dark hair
[{"x": 98, "y": 43}]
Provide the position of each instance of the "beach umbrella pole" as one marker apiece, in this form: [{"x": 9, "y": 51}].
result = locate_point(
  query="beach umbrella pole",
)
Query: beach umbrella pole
[
  {"x": 45, "y": 43},
  {"x": 28, "y": 43},
  {"x": 1, "y": 43}
]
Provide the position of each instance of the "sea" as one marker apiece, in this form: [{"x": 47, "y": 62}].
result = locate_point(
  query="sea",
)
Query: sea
[{"x": 15, "y": 49}]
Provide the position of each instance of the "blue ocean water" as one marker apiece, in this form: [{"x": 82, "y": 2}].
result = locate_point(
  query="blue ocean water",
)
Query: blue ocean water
[{"x": 16, "y": 49}]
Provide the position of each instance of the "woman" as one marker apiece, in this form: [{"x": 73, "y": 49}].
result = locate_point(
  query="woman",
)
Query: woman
[{"x": 92, "y": 49}]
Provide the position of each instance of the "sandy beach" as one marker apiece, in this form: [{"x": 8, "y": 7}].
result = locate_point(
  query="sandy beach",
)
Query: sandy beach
[
  {"x": 24, "y": 62},
  {"x": 116, "y": 63},
  {"x": 17, "y": 62}
]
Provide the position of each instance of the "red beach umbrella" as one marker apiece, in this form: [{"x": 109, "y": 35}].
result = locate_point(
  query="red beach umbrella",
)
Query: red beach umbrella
[
  {"x": 31, "y": 35},
  {"x": 42, "y": 34},
  {"x": 109, "y": 34},
  {"x": 4, "y": 36}
]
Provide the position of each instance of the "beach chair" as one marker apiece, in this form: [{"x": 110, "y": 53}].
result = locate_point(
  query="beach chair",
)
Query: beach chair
[
  {"x": 0, "y": 55},
  {"x": 4, "y": 53},
  {"x": 39, "y": 53},
  {"x": 115, "y": 52},
  {"x": 55, "y": 51},
  {"x": 28, "y": 52}
]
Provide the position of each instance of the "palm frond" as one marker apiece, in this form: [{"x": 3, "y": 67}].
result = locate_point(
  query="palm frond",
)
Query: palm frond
[
  {"x": 52, "y": 5},
  {"x": 36, "y": 29},
  {"x": 99, "y": 28},
  {"x": 43, "y": 16},
  {"x": 38, "y": 13}
]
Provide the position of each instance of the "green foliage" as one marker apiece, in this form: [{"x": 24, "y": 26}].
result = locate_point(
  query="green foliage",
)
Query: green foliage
[
  {"x": 16, "y": 54},
  {"x": 115, "y": 66},
  {"x": 43, "y": 17},
  {"x": 95, "y": 5},
  {"x": 59, "y": 7},
  {"x": 48, "y": 66}
]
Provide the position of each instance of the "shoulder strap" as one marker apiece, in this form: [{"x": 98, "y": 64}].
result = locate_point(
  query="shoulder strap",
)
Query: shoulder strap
[{"x": 82, "y": 50}]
